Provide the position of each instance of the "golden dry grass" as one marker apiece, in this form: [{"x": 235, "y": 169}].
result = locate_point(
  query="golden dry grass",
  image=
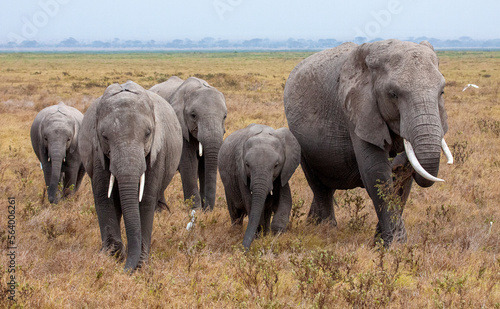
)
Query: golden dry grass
[{"x": 451, "y": 258}]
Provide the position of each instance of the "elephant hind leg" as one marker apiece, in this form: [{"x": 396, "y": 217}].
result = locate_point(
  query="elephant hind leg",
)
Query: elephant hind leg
[{"x": 322, "y": 204}]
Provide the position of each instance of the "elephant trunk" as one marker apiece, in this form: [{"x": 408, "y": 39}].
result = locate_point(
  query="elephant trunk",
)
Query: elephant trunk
[
  {"x": 127, "y": 166},
  {"x": 210, "y": 137},
  {"x": 56, "y": 158},
  {"x": 129, "y": 192},
  {"x": 259, "y": 195},
  {"x": 211, "y": 154},
  {"x": 260, "y": 187},
  {"x": 426, "y": 136}
]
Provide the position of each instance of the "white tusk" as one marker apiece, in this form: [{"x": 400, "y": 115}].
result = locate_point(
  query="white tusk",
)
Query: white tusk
[
  {"x": 251, "y": 192},
  {"x": 416, "y": 165},
  {"x": 64, "y": 160},
  {"x": 48, "y": 159},
  {"x": 447, "y": 151},
  {"x": 41, "y": 167},
  {"x": 111, "y": 183},
  {"x": 271, "y": 192},
  {"x": 200, "y": 149},
  {"x": 141, "y": 186}
]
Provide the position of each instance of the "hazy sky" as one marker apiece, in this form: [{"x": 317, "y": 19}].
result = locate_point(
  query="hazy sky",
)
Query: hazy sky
[{"x": 165, "y": 20}]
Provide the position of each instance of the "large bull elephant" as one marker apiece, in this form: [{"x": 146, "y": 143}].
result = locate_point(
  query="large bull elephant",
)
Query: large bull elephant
[
  {"x": 201, "y": 110},
  {"x": 130, "y": 143},
  {"x": 354, "y": 107},
  {"x": 54, "y": 137}
]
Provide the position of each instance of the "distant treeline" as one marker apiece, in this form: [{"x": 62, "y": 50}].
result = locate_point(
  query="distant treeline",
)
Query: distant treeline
[{"x": 210, "y": 43}]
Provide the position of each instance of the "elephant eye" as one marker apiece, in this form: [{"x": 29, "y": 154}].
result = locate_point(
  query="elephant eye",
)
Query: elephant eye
[
  {"x": 246, "y": 164},
  {"x": 193, "y": 115},
  {"x": 276, "y": 164},
  {"x": 442, "y": 92},
  {"x": 148, "y": 132},
  {"x": 225, "y": 116},
  {"x": 45, "y": 138},
  {"x": 393, "y": 94},
  {"x": 104, "y": 136}
]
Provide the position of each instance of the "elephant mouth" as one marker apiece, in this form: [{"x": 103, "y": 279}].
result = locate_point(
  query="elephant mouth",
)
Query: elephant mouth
[
  {"x": 141, "y": 185},
  {"x": 418, "y": 167}
]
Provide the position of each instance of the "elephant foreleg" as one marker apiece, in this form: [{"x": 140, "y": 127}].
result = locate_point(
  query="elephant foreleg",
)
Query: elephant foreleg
[
  {"x": 376, "y": 174},
  {"x": 147, "y": 208},
  {"x": 283, "y": 210},
  {"x": 188, "y": 168},
  {"x": 201, "y": 177},
  {"x": 108, "y": 214}
]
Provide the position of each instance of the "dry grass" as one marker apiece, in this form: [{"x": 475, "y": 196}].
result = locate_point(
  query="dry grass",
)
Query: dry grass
[{"x": 451, "y": 258}]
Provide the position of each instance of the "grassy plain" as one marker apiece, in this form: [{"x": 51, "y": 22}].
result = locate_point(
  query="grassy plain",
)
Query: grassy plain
[{"x": 451, "y": 259}]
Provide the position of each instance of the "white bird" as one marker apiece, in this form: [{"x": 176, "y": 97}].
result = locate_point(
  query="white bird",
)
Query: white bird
[{"x": 470, "y": 85}]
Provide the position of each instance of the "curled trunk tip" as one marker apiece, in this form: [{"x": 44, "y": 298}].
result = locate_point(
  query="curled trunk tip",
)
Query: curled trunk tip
[{"x": 416, "y": 165}]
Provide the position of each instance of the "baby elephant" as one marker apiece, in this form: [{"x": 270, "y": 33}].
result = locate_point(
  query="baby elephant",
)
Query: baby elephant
[
  {"x": 255, "y": 164},
  {"x": 54, "y": 139}
]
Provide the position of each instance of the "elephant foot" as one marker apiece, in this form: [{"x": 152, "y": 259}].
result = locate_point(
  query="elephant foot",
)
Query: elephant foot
[
  {"x": 115, "y": 249},
  {"x": 397, "y": 233},
  {"x": 277, "y": 230},
  {"x": 319, "y": 214}
]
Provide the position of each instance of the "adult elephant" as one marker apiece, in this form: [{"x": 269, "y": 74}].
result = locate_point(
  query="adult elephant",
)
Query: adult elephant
[
  {"x": 255, "y": 165},
  {"x": 130, "y": 136},
  {"x": 354, "y": 107},
  {"x": 54, "y": 137},
  {"x": 201, "y": 110}
]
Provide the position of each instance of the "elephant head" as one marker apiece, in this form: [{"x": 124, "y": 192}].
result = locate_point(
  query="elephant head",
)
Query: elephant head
[
  {"x": 126, "y": 132},
  {"x": 54, "y": 137},
  {"x": 394, "y": 86},
  {"x": 265, "y": 156},
  {"x": 201, "y": 110}
]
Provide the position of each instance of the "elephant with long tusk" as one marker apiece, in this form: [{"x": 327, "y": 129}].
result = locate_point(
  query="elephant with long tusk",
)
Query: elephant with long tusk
[
  {"x": 353, "y": 107},
  {"x": 131, "y": 144}
]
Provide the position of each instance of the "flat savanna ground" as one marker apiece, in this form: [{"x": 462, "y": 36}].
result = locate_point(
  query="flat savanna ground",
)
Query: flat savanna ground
[{"x": 451, "y": 258}]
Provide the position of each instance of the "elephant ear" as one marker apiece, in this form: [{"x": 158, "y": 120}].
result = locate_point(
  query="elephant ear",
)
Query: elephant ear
[
  {"x": 36, "y": 135},
  {"x": 165, "y": 123},
  {"x": 77, "y": 118},
  {"x": 88, "y": 141},
  {"x": 426, "y": 43},
  {"x": 358, "y": 98},
  {"x": 179, "y": 99},
  {"x": 292, "y": 154}
]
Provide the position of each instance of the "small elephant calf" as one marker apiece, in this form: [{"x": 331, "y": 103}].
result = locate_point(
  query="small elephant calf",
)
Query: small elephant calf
[
  {"x": 255, "y": 164},
  {"x": 54, "y": 137}
]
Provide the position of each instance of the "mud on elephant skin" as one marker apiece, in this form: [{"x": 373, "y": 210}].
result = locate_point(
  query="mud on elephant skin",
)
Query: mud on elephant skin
[
  {"x": 54, "y": 137},
  {"x": 130, "y": 143},
  {"x": 255, "y": 164},
  {"x": 353, "y": 107},
  {"x": 201, "y": 110}
]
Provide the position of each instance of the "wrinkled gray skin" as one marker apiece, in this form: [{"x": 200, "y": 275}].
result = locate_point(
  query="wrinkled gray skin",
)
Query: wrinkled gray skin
[
  {"x": 54, "y": 137},
  {"x": 201, "y": 110},
  {"x": 127, "y": 132},
  {"x": 350, "y": 108},
  {"x": 253, "y": 162}
]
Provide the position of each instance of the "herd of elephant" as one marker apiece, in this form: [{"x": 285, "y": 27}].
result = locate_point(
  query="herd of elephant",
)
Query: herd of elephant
[{"x": 357, "y": 115}]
